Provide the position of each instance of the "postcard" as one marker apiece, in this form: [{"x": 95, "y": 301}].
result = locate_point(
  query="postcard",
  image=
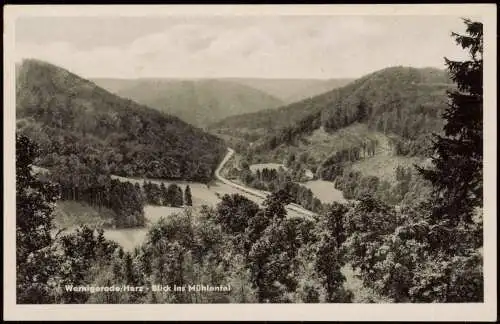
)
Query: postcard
[{"x": 250, "y": 162}]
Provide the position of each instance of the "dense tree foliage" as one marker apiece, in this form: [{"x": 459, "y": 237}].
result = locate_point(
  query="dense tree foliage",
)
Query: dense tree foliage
[
  {"x": 45, "y": 260},
  {"x": 85, "y": 134},
  {"x": 235, "y": 212},
  {"x": 330, "y": 258},
  {"x": 80, "y": 183},
  {"x": 72, "y": 118},
  {"x": 123, "y": 198},
  {"x": 408, "y": 186},
  {"x": 334, "y": 165},
  {"x": 399, "y": 100},
  {"x": 263, "y": 257},
  {"x": 174, "y": 195},
  {"x": 82, "y": 254},
  {"x": 385, "y": 100},
  {"x": 34, "y": 205},
  {"x": 400, "y": 105},
  {"x": 259, "y": 252},
  {"x": 161, "y": 195},
  {"x": 457, "y": 175}
]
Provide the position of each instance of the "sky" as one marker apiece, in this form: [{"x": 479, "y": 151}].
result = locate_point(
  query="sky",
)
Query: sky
[{"x": 237, "y": 46}]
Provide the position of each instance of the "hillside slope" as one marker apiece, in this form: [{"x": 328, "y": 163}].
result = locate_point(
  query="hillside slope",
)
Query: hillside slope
[
  {"x": 292, "y": 90},
  {"x": 401, "y": 100},
  {"x": 72, "y": 118},
  {"x": 365, "y": 136},
  {"x": 199, "y": 102}
]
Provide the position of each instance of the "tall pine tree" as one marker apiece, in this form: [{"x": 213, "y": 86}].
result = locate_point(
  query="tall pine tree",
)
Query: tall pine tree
[
  {"x": 164, "y": 195},
  {"x": 457, "y": 175},
  {"x": 188, "y": 199},
  {"x": 453, "y": 266}
]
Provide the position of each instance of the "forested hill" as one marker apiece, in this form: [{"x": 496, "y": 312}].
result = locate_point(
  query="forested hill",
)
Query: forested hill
[
  {"x": 198, "y": 102},
  {"x": 73, "y": 119},
  {"x": 402, "y": 100}
]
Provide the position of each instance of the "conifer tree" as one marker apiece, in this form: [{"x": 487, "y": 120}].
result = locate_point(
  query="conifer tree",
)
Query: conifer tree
[
  {"x": 164, "y": 195},
  {"x": 188, "y": 199},
  {"x": 457, "y": 175},
  {"x": 174, "y": 195},
  {"x": 455, "y": 235},
  {"x": 179, "y": 201},
  {"x": 362, "y": 112}
]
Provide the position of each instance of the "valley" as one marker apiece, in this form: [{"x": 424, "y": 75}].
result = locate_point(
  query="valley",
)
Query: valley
[
  {"x": 203, "y": 102},
  {"x": 327, "y": 157},
  {"x": 203, "y": 194},
  {"x": 316, "y": 189},
  {"x": 197, "y": 102}
]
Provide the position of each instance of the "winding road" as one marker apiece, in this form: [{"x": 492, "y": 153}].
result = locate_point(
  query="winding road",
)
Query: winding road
[{"x": 256, "y": 193}]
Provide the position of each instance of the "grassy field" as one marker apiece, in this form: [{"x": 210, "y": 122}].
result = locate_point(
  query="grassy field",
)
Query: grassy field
[
  {"x": 325, "y": 191},
  {"x": 383, "y": 166},
  {"x": 202, "y": 194},
  {"x": 154, "y": 213},
  {"x": 72, "y": 213},
  {"x": 129, "y": 238}
]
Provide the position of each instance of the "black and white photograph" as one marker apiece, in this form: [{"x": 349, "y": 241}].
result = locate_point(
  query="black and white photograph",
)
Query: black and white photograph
[{"x": 232, "y": 157}]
